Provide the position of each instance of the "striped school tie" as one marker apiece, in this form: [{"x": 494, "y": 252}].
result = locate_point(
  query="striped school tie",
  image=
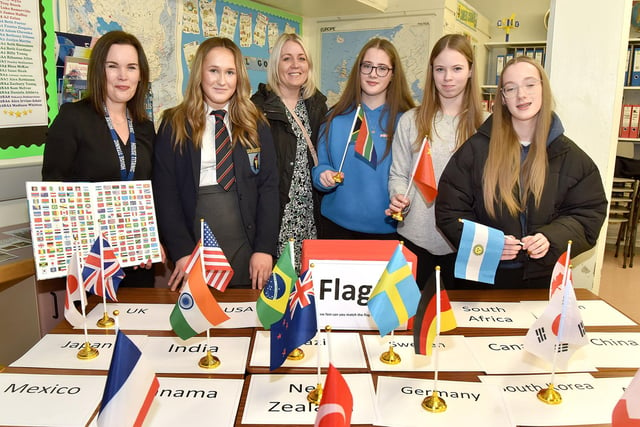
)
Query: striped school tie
[{"x": 224, "y": 160}]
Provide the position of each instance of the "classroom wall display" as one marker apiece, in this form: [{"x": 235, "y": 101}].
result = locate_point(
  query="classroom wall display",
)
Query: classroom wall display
[
  {"x": 26, "y": 102},
  {"x": 170, "y": 32},
  {"x": 342, "y": 40}
]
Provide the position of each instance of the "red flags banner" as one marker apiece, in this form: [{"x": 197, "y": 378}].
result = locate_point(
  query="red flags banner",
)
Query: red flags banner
[
  {"x": 336, "y": 405},
  {"x": 424, "y": 177}
]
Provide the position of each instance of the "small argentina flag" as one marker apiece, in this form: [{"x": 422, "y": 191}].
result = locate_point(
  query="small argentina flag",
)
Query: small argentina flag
[{"x": 479, "y": 252}]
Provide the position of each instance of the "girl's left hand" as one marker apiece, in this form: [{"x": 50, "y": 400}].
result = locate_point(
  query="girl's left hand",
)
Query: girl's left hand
[{"x": 536, "y": 246}]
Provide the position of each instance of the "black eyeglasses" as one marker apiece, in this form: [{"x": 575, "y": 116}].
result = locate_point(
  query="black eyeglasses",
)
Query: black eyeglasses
[{"x": 367, "y": 68}]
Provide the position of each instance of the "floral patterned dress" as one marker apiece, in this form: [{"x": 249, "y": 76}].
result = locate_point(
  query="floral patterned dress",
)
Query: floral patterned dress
[{"x": 298, "y": 221}]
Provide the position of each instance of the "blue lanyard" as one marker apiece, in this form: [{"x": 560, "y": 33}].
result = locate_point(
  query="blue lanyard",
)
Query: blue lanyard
[{"x": 124, "y": 176}]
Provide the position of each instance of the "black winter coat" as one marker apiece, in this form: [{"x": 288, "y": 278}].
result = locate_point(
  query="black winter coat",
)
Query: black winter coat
[
  {"x": 285, "y": 140},
  {"x": 573, "y": 204}
]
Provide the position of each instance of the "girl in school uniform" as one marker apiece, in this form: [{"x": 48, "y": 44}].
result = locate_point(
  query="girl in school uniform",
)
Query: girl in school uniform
[
  {"x": 356, "y": 187},
  {"x": 240, "y": 204},
  {"x": 449, "y": 114}
]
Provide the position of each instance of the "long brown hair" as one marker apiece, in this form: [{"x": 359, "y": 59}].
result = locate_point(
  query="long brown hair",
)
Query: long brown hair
[
  {"x": 503, "y": 175},
  {"x": 97, "y": 77},
  {"x": 398, "y": 96},
  {"x": 189, "y": 114},
  {"x": 471, "y": 113}
]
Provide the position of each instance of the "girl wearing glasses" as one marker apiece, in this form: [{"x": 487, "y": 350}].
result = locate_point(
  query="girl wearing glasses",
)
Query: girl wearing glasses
[
  {"x": 354, "y": 150},
  {"x": 449, "y": 114},
  {"x": 519, "y": 173}
]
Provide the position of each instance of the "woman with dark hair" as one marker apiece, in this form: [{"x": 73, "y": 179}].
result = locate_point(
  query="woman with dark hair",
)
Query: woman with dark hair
[
  {"x": 520, "y": 174},
  {"x": 107, "y": 135},
  {"x": 356, "y": 194},
  {"x": 239, "y": 202}
]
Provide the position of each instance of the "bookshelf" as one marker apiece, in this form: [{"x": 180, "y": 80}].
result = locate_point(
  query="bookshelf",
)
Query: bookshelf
[
  {"x": 629, "y": 134},
  {"x": 498, "y": 53}
]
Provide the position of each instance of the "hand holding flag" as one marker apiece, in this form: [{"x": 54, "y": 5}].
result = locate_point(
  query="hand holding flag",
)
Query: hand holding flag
[
  {"x": 479, "y": 252},
  {"x": 395, "y": 298}
]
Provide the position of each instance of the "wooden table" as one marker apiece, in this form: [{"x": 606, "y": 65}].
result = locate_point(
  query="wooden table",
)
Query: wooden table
[{"x": 164, "y": 296}]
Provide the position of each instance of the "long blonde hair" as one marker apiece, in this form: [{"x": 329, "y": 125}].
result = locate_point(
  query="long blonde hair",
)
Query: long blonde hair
[
  {"x": 189, "y": 114},
  {"x": 398, "y": 97},
  {"x": 471, "y": 113},
  {"x": 273, "y": 71},
  {"x": 503, "y": 174}
]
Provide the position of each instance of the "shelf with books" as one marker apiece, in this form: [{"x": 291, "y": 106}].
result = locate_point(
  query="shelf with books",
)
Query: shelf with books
[{"x": 500, "y": 53}]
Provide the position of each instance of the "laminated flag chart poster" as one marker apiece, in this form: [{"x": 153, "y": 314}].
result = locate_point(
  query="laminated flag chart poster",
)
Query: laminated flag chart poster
[{"x": 64, "y": 214}]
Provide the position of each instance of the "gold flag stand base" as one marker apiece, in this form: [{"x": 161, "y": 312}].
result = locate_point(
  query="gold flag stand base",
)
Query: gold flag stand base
[
  {"x": 296, "y": 354},
  {"x": 209, "y": 361},
  {"x": 337, "y": 178},
  {"x": 434, "y": 403},
  {"x": 550, "y": 396},
  {"x": 398, "y": 216},
  {"x": 87, "y": 352},
  {"x": 315, "y": 395},
  {"x": 390, "y": 357},
  {"x": 105, "y": 321}
]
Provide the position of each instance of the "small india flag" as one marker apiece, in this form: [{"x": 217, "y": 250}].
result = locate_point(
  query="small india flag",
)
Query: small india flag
[
  {"x": 196, "y": 310},
  {"x": 364, "y": 148}
]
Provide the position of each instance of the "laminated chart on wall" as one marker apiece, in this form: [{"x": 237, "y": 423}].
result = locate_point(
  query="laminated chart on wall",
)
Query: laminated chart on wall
[{"x": 66, "y": 215}]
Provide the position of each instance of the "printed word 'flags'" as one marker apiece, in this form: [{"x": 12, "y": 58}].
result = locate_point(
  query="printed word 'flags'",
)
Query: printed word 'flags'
[
  {"x": 298, "y": 325},
  {"x": 196, "y": 310},
  {"x": 94, "y": 270},
  {"x": 425, "y": 323},
  {"x": 395, "y": 298},
  {"x": 479, "y": 252},
  {"x": 130, "y": 388},
  {"x": 336, "y": 405},
  {"x": 272, "y": 302}
]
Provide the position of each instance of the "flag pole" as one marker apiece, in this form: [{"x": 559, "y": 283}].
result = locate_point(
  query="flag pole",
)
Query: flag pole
[
  {"x": 105, "y": 321},
  {"x": 435, "y": 403},
  {"x": 87, "y": 352},
  {"x": 209, "y": 361},
  {"x": 337, "y": 178},
  {"x": 399, "y": 216},
  {"x": 200, "y": 248},
  {"x": 550, "y": 395},
  {"x": 390, "y": 357},
  {"x": 315, "y": 395},
  {"x": 297, "y": 353}
]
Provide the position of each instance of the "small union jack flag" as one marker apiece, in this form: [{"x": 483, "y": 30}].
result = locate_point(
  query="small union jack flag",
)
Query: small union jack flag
[{"x": 94, "y": 271}]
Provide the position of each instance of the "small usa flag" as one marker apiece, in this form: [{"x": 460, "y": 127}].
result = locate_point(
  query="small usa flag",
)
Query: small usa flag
[{"x": 217, "y": 270}]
